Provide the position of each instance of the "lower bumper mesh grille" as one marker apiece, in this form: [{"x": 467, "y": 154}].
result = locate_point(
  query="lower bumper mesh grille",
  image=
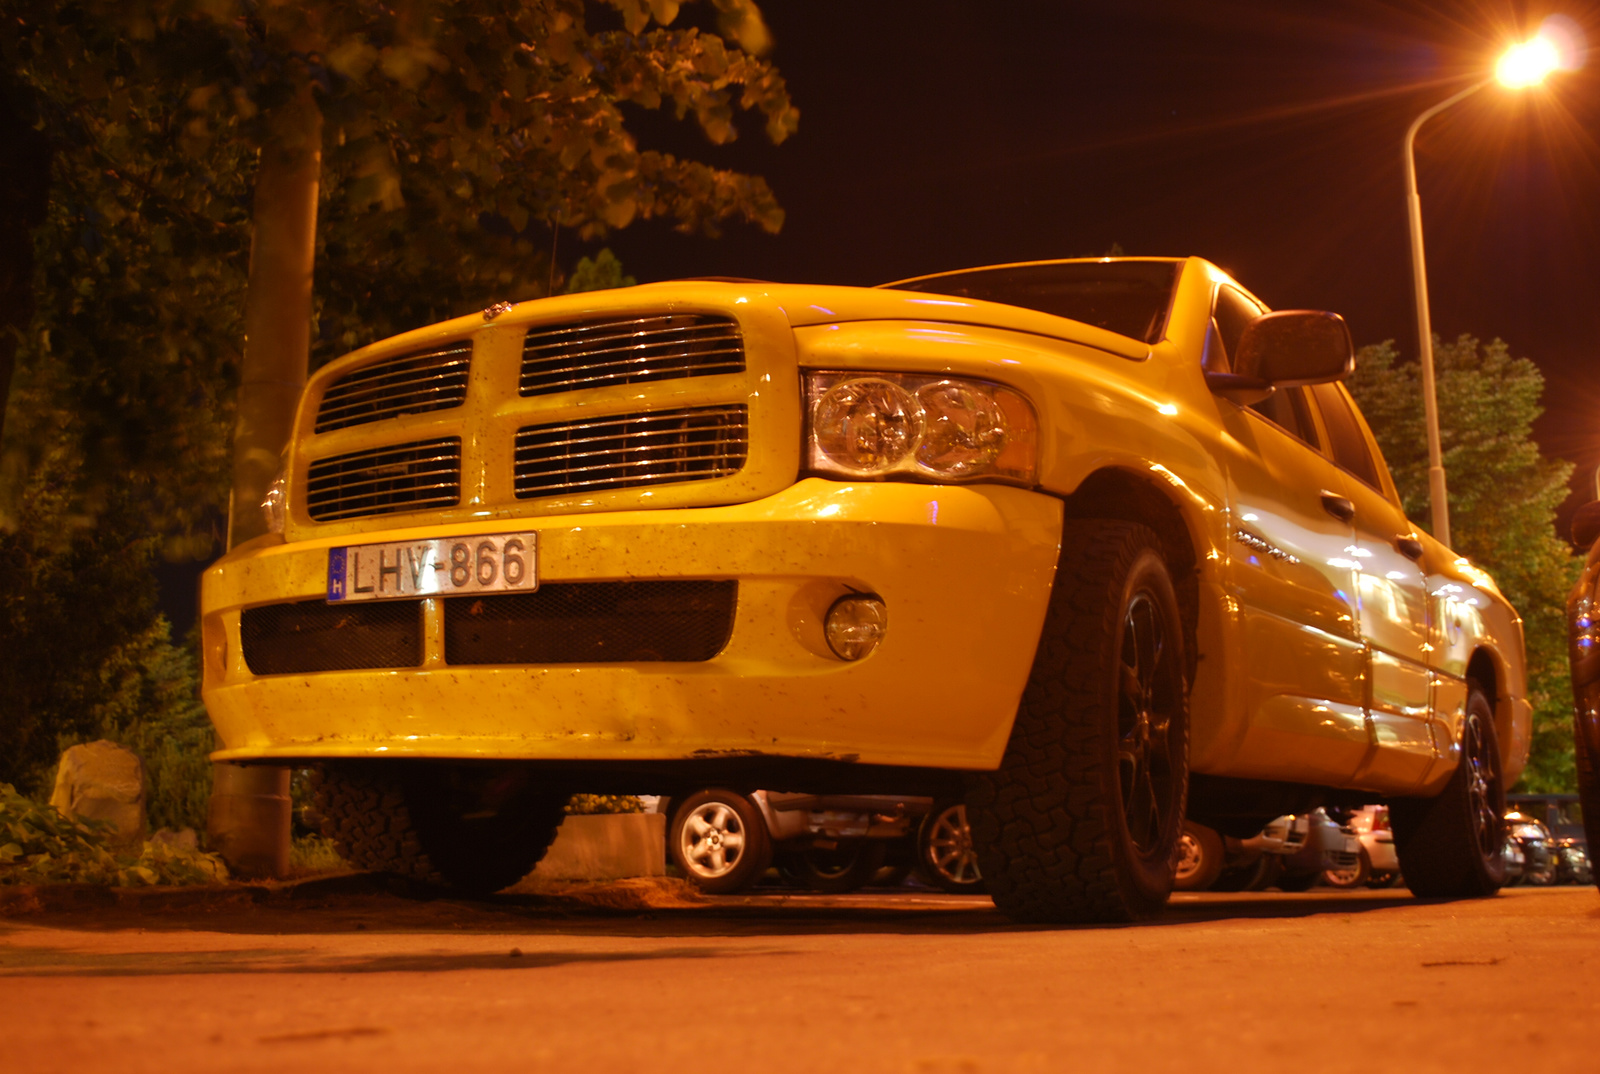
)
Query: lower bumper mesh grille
[
  {"x": 592, "y": 623},
  {"x": 311, "y": 635}
]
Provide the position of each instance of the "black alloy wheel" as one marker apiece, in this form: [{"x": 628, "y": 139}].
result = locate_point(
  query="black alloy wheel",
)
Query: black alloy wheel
[{"x": 1150, "y": 696}]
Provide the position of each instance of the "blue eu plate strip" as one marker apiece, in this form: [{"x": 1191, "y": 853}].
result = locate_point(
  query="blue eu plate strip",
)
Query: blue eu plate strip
[{"x": 336, "y": 574}]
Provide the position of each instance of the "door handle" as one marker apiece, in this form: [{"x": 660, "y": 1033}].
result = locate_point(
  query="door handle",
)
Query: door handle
[
  {"x": 1409, "y": 547},
  {"x": 1338, "y": 507}
]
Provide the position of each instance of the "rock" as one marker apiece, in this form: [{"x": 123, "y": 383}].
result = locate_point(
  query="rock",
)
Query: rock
[
  {"x": 103, "y": 781},
  {"x": 182, "y": 839}
]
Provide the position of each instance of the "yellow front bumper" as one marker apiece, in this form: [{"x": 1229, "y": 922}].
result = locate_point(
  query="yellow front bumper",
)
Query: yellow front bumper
[{"x": 964, "y": 571}]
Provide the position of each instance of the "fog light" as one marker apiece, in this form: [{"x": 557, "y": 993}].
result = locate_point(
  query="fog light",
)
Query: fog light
[{"x": 856, "y": 624}]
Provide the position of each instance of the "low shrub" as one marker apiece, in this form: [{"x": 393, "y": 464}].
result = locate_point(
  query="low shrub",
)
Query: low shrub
[{"x": 40, "y": 845}]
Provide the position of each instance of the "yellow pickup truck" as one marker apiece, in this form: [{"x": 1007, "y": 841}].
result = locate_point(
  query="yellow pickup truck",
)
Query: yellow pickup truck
[{"x": 1092, "y": 544}]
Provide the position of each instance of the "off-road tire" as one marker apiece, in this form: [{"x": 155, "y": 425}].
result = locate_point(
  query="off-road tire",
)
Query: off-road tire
[
  {"x": 443, "y": 825},
  {"x": 1589, "y": 799},
  {"x": 1051, "y": 826},
  {"x": 1451, "y": 845}
]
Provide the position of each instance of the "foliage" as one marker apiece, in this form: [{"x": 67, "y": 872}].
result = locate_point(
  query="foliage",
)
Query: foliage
[
  {"x": 581, "y": 804},
  {"x": 151, "y": 704},
  {"x": 601, "y": 273},
  {"x": 1503, "y": 497},
  {"x": 40, "y": 845},
  {"x": 313, "y": 854},
  {"x": 459, "y": 137},
  {"x": 71, "y": 595}
]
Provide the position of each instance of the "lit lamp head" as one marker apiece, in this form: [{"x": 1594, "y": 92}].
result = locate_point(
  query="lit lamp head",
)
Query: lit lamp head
[
  {"x": 1557, "y": 47},
  {"x": 1527, "y": 64}
]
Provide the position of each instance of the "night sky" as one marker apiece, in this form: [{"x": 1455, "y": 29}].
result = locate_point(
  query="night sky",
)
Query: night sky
[{"x": 942, "y": 134}]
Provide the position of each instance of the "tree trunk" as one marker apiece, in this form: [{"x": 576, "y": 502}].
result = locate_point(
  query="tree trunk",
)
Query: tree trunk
[
  {"x": 277, "y": 320},
  {"x": 249, "y": 827}
]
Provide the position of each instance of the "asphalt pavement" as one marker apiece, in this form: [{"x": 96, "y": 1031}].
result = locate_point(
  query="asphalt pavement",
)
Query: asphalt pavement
[{"x": 346, "y": 979}]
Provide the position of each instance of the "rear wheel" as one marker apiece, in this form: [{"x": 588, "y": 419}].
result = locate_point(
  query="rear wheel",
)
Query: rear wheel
[
  {"x": 1081, "y": 820},
  {"x": 1353, "y": 876},
  {"x": 1452, "y": 845},
  {"x": 836, "y": 870},
  {"x": 719, "y": 839},
  {"x": 474, "y": 828}
]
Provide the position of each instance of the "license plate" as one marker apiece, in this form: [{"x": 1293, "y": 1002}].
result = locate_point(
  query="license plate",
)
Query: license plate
[{"x": 444, "y": 566}]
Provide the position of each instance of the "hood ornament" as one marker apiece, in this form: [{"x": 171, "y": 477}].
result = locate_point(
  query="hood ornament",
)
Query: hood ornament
[{"x": 497, "y": 309}]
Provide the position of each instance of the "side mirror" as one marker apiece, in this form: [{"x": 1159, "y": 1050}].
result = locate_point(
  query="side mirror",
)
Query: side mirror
[
  {"x": 1293, "y": 347},
  {"x": 1586, "y": 524}
]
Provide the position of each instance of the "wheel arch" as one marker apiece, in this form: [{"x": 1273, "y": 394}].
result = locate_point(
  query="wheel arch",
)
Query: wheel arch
[
  {"x": 1486, "y": 668},
  {"x": 1123, "y": 494}
]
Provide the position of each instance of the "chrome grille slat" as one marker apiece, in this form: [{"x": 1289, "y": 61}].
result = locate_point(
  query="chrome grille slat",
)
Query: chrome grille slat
[
  {"x": 564, "y": 357},
  {"x": 381, "y": 481},
  {"x": 629, "y": 450},
  {"x": 413, "y": 383}
]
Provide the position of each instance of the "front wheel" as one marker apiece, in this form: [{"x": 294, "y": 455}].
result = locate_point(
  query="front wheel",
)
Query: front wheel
[
  {"x": 719, "y": 839},
  {"x": 1081, "y": 821},
  {"x": 945, "y": 855},
  {"x": 1452, "y": 845}
]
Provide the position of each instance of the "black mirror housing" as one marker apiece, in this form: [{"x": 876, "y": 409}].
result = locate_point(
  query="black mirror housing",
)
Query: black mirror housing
[{"x": 1293, "y": 347}]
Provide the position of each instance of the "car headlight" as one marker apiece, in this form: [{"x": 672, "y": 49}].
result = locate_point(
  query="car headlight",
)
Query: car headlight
[
  {"x": 273, "y": 505},
  {"x": 919, "y": 426}
]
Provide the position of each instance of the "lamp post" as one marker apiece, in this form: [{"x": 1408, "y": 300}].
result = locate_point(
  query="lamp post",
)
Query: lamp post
[{"x": 1521, "y": 66}]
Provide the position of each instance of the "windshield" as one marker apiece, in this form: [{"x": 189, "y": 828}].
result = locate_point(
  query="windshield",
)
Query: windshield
[{"x": 1127, "y": 297}]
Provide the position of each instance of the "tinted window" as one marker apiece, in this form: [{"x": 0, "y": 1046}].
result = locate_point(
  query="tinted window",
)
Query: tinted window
[
  {"x": 1345, "y": 441},
  {"x": 1130, "y": 298},
  {"x": 1232, "y": 313},
  {"x": 1288, "y": 409}
]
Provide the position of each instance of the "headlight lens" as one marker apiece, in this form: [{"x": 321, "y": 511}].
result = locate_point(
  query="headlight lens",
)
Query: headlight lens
[
  {"x": 273, "y": 505},
  {"x": 930, "y": 427}
]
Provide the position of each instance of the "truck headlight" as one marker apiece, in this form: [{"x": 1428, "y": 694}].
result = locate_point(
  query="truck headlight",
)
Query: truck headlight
[{"x": 918, "y": 426}]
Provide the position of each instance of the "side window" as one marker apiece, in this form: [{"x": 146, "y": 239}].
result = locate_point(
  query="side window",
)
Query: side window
[
  {"x": 1345, "y": 441},
  {"x": 1288, "y": 409}
]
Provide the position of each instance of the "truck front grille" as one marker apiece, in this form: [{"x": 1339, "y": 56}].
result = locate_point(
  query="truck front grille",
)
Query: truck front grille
[
  {"x": 573, "y": 356},
  {"x": 434, "y": 379},
  {"x": 592, "y": 623},
  {"x": 312, "y": 635},
  {"x": 631, "y": 450},
  {"x": 382, "y": 481}
]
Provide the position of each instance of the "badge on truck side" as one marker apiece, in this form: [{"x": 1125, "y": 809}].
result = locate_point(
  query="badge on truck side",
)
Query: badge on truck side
[{"x": 443, "y": 566}]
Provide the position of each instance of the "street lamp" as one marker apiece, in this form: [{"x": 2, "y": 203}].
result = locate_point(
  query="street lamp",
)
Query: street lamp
[{"x": 1522, "y": 66}]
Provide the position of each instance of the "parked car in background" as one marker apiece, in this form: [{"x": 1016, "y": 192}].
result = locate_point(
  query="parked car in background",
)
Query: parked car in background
[
  {"x": 1092, "y": 545},
  {"x": 1379, "y": 865},
  {"x": 1562, "y": 815},
  {"x": 1292, "y": 853},
  {"x": 724, "y": 840},
  {"x": 1530, "y": 856}
]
